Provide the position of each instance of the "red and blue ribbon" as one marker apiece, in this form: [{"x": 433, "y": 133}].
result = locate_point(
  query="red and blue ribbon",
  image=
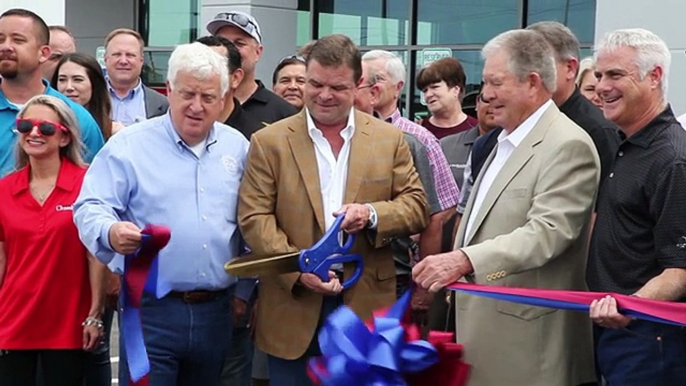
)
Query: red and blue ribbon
[
  {"x": 140, "y": 275},
  {"x": 639, "y": 308},
  {"x": 378, "y": 354}
]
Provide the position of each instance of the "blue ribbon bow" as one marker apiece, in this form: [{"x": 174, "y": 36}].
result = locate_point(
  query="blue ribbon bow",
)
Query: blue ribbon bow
[{"x": 354, "y": 355}]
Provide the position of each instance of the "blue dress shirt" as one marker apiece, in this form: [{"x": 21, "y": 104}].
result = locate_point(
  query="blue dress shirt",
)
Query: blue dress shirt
[
  {"x": 130, "y": 108},
  {"x": 90, "y": 132},
  {"x": 146, "y": 174}
]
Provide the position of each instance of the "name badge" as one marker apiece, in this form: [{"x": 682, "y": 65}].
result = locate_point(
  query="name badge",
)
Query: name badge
[{"x": 63, "y": 208}]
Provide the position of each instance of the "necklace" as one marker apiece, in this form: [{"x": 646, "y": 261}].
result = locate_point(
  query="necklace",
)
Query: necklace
[{"x": 41, "y": 196}]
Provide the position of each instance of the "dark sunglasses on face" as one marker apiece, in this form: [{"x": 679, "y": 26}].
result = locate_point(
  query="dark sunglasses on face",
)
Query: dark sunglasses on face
[
  {"x": 241, "y": 20},
  {"x": 46, "y": 128}
]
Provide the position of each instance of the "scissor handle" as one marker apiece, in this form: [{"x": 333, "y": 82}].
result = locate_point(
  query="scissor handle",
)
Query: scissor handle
[
  {"x": 326, "y": 246},
  {"x": 323, "y": 268}
]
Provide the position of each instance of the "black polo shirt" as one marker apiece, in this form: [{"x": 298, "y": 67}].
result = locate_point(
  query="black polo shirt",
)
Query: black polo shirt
[
  {"x": 247, "y": 124},
  {"x": 267, "y": 106},
  {"x": 641, "y": 225},
  {"x": 603, "y": 132}
]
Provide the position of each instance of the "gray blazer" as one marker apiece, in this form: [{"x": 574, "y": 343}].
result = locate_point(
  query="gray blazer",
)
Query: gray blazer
[
  {"x": 457, "y": 148},
  {"x": 156, "y": 104}
]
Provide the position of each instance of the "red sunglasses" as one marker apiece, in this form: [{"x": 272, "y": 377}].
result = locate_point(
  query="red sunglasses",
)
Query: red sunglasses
[{"x": 46, "y": 128}]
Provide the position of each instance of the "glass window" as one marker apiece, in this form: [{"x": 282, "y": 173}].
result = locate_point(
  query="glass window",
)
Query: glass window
[
  {"x": 303, "y": 25},
  {"x": 578, "y": 15},
  {"x": 473, "y": 65},
  {"x": 367, "y": 23},
  {"x": 154, "y": 73},
  {"x": 171, "y": 22},
  {"x": 464, "y": 21}
]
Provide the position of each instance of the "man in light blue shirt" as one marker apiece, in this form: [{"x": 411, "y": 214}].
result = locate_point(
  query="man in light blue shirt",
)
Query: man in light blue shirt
[
  {"x": 25, "y": 48},
  {"x": 181, "y": 170},
  {"x": 132, "y": 101}
]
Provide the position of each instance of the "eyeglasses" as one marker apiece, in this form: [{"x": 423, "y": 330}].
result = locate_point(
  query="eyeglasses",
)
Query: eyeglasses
[
  {"x": 56, "y": 56},
  {"x": 241, "y": 20},
  {"x": 292, "y": 57},
  {"x": 46, "y": 128}
]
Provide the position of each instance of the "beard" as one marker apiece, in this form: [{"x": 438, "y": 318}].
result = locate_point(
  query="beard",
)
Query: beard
[{"x": 9, "y": 69}]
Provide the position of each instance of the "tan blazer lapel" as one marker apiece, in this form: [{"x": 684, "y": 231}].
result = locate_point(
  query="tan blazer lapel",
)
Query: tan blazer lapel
[
  {"x": 303, "y": 153},
  {"x": 360, "y": 151},
  {"x": 521, "y": 155}
]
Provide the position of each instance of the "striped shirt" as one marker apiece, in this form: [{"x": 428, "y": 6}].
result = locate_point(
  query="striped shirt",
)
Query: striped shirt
[{"x": 446, "y": 187}]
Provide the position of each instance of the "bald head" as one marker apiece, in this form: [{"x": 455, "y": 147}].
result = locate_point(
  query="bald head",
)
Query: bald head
[{"x": 61, "y": 43}]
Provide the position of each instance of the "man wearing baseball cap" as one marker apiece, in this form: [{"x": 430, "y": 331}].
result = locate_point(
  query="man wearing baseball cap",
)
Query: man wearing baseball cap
[{"x": 244, "y": 32}]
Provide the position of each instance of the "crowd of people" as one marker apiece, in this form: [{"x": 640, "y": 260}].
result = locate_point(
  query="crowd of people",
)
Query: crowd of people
[{"x": 565, "y": 176}]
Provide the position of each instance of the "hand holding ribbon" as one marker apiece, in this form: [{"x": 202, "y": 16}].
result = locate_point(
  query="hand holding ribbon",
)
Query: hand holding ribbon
[{"x": 140, "y": 275}]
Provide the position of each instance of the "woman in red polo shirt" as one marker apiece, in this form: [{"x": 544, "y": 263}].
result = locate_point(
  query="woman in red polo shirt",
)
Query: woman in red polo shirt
[{"x": 51, "y": 289}]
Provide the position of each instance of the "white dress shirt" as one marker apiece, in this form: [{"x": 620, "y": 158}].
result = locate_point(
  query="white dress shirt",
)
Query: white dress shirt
[
  {"x": 333, "y": 172},
  {"x": 507, "y": 143}
]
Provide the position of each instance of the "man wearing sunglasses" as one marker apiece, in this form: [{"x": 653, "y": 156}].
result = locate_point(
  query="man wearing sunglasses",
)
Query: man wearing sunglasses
[
  {"x": 244, "y": 32},
  {"x": 24, "y": 49}
]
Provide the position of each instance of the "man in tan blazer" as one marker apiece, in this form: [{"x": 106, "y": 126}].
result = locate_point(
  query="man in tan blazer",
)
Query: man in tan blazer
[
  {"x": 525, "y": 225},
  {"x": 300, "y": 173}
]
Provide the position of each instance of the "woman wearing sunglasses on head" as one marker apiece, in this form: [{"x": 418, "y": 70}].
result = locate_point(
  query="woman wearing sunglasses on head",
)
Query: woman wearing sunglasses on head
[
  {"x": 50, "y": 286},
  {"x": 79, "y": 77}
]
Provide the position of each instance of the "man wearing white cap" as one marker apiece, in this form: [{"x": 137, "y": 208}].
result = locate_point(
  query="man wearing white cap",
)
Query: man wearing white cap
[{"x": 244, "y": 32}]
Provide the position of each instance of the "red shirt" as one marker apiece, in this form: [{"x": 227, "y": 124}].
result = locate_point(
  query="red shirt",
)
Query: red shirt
[
  {"x": 46, "y": 294},
  {"x": 441, "y": 132}
]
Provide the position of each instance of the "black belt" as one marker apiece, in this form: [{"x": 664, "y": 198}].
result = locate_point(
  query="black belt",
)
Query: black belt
[{"x": 200, "y": 296}]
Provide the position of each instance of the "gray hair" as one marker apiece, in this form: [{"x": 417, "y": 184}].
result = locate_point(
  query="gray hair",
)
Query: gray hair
[
  {"x": 394, "y": 65},
  {"x": 74, "y": 149},
  {"x": 562, "y": 39},
  {"x": 651, "y": 51},
  {"x": 200, "y": 61},
  {"x": 529, "y": 52},
  {"x": 586, "y": 65}
]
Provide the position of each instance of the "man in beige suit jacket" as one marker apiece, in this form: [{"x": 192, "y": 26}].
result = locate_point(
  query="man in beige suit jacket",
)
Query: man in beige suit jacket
[
  {"x": 525, "y": 225},
  {"x": 296, "y": 179}
]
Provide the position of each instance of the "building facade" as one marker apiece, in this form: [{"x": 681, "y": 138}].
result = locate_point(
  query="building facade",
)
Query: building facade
[{"x": 417, "y": 30}]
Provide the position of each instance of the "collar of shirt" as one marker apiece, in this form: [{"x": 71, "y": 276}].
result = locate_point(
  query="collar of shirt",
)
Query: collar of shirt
[
  {"x": 518, "y": 135},
  {"x": 6, "y": 104},
  {"x": 648, "y": 133},
  {"x": 572, "y": 101},
  {"x": 65, "y": 180},
  {"x": 181, "y": 144},
  {"x": 394, "y": 117},
  {"x": 316, "y": 134},
  {"x": 130, "y": 94},
  {"x": 259, "y": 94}
]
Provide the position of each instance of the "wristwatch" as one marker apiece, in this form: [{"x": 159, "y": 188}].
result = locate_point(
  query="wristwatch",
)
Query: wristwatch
[{"x": 371, "y": 222}]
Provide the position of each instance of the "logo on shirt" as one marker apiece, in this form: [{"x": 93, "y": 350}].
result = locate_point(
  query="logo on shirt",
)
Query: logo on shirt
[
  {"x": 230, "y": 164},
  {"x": 62, "y": 208}
]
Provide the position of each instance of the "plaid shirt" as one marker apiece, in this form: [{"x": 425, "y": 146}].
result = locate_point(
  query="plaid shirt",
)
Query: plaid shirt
[{"x": 446, "y": 187}]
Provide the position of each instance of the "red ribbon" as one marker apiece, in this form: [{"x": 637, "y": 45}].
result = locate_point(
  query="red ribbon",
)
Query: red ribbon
[{"x": 451, "y": 370}]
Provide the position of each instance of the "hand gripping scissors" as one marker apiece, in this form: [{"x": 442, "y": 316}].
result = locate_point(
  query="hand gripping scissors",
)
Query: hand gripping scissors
[{"x": 317, "y": 259}]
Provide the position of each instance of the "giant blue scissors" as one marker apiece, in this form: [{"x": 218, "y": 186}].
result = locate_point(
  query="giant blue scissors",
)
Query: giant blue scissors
[{"x": 318, "y": 259}]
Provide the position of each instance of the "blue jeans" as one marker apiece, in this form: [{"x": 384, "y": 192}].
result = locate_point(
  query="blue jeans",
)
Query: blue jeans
[
  {"x": 642, "y": 354},
  {"x": 186, "y": 342},
  {"x": 284, "y": 372},
  {"x": 98, "y": 367},
  {"x": 238, "y": 362}
]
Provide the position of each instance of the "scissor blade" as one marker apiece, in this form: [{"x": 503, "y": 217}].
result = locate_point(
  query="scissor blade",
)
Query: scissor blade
[{"x": 263, "y": 266}]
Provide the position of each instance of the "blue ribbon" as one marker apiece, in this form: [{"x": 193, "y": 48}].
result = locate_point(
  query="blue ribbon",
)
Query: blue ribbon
[
  {"x": 132, "y": 329},
  {"x": 354, "y": 355}
]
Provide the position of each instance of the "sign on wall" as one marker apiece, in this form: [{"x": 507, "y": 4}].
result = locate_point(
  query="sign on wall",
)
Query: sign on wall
[{"x": 429, "y": 55}]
